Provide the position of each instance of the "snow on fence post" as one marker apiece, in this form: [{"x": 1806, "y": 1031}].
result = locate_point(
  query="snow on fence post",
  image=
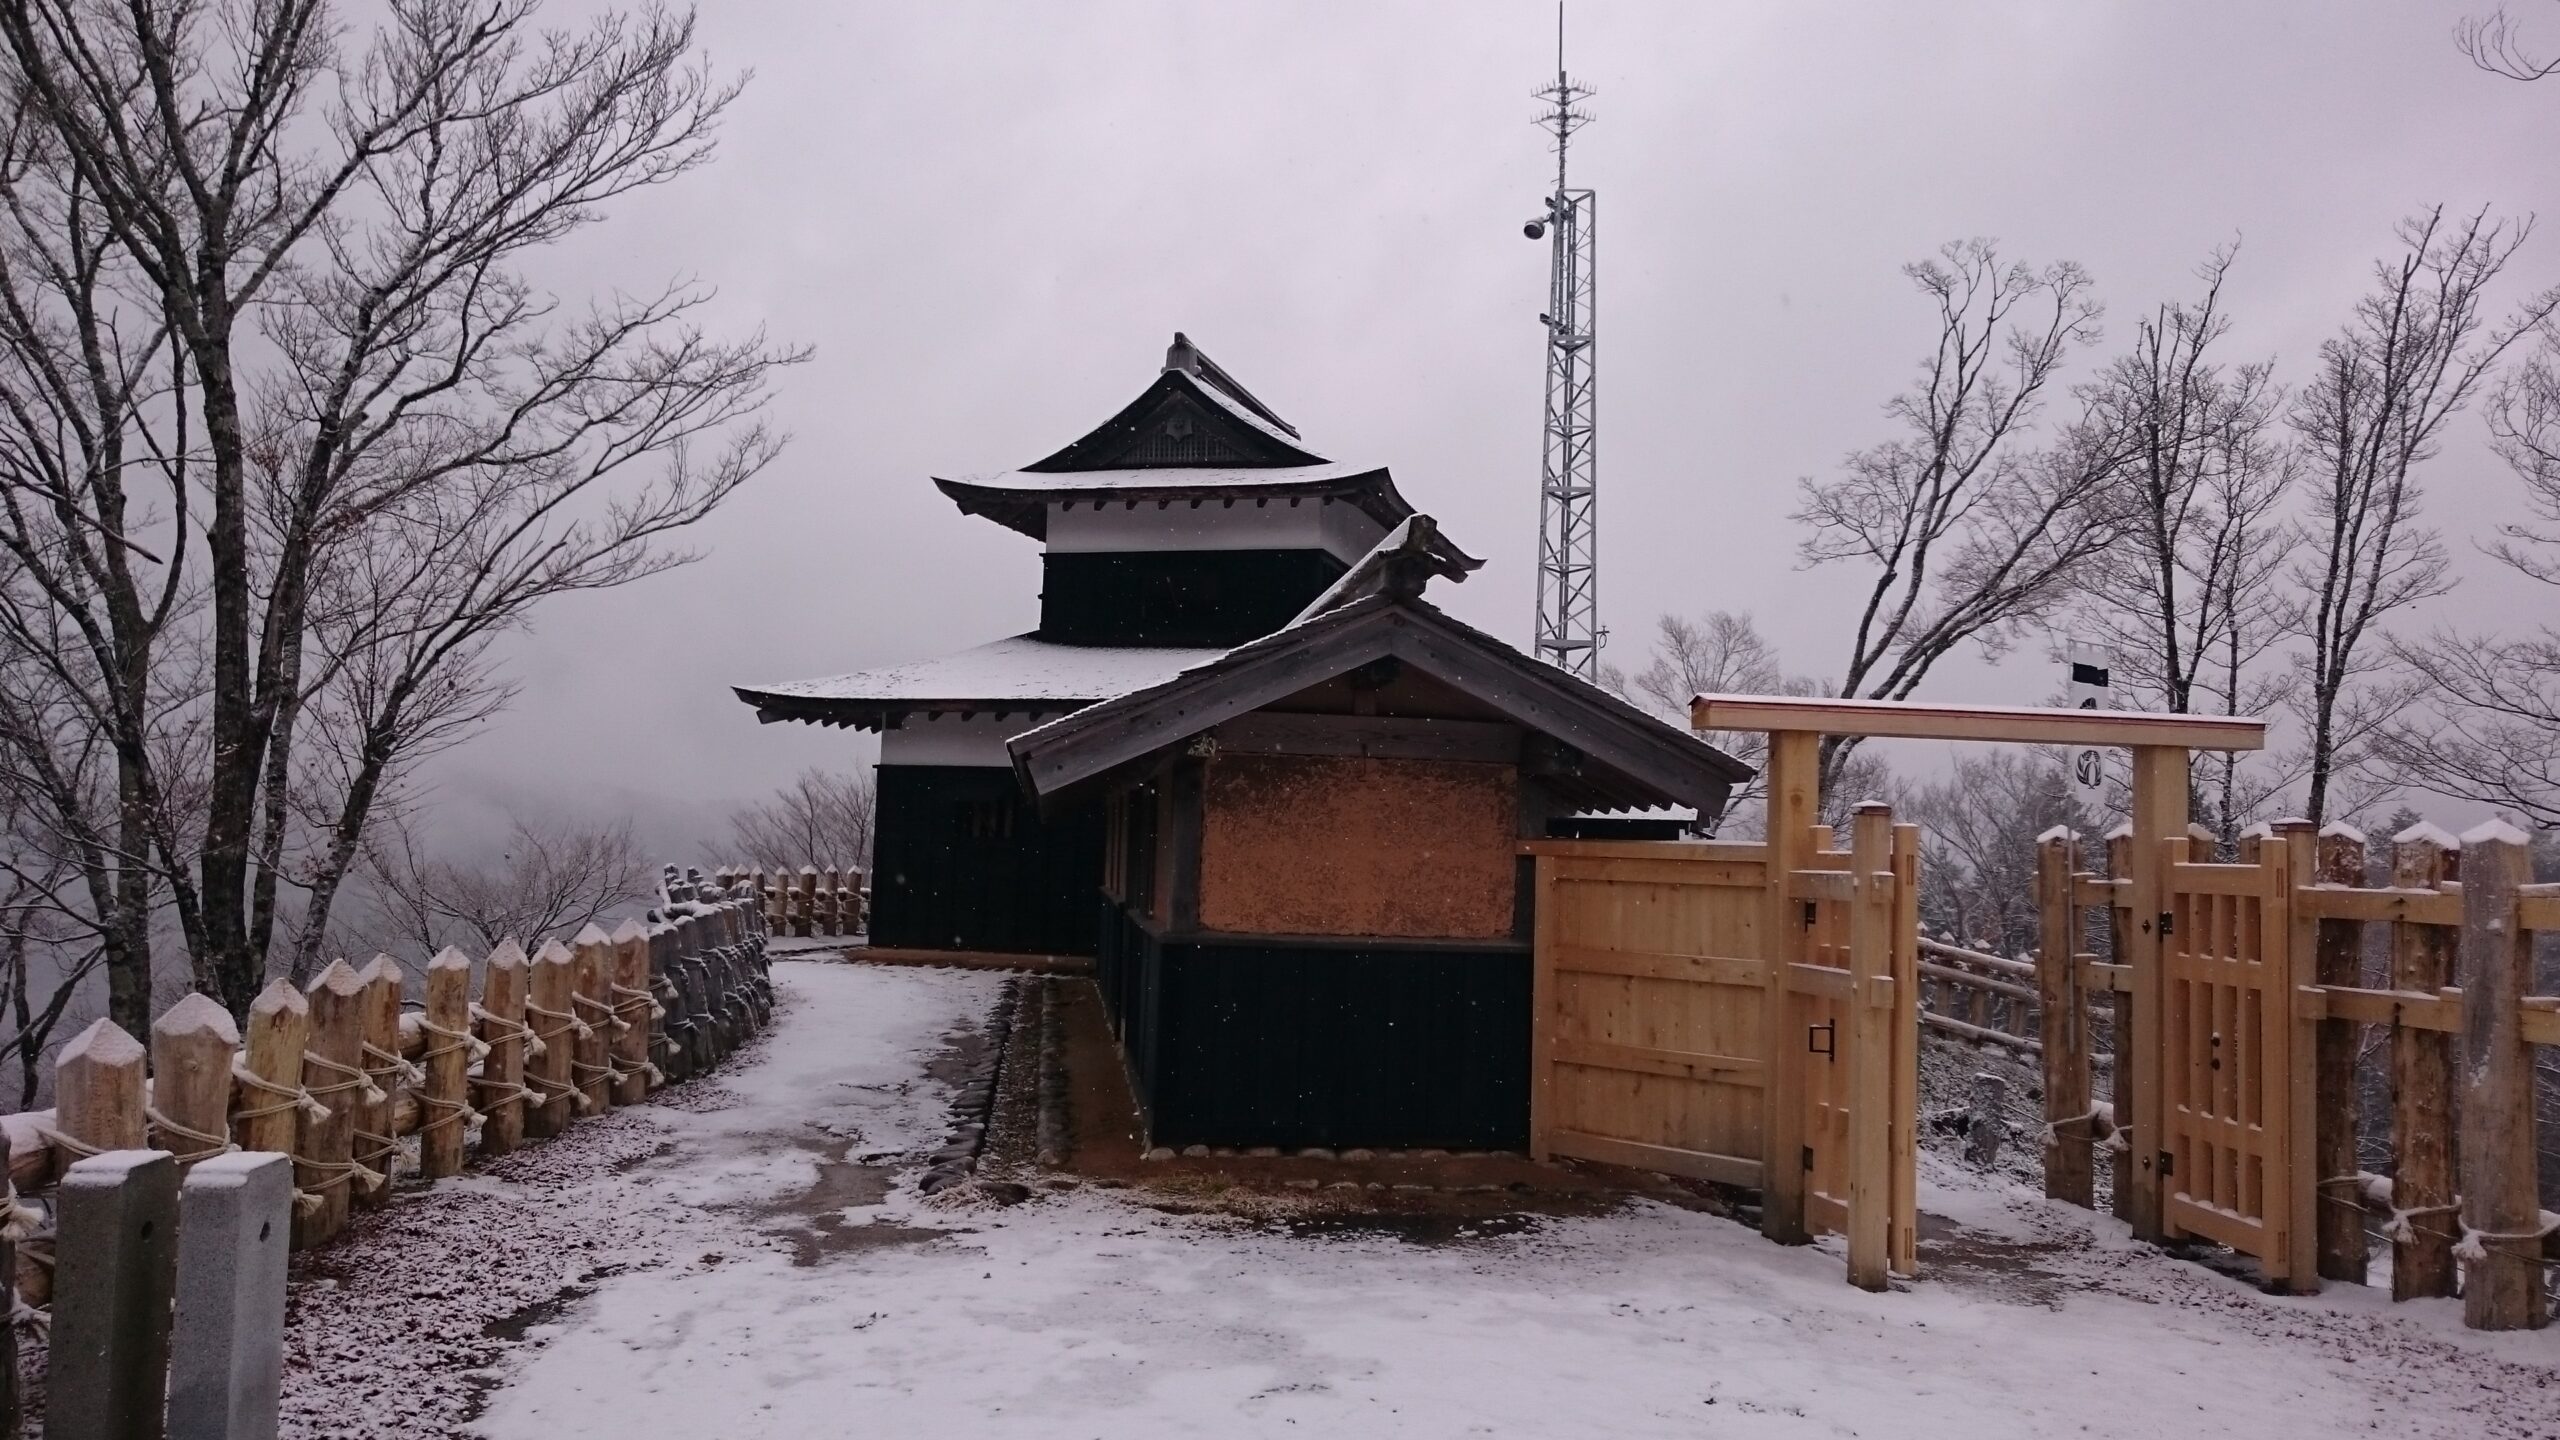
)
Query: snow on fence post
[
  {"x": 270, "y": 1072},
  {"x": 590, "y": 998},
  {"x": 2069, "y": 1169},
  {"x": 2501, "y": 1220},
  {"x": 325, "y": 1137},
  {"x": 377, "y": 1131},
  {"x": 444, "y": 1101},
  {"x": 2339, "y": 948},
  {"x": 192, "y": 1047},
  {"x": 2422, "y": 1194},
  {"x": 633, "y": 1008},
  {"x": 555, "y": 1025},
  {"x": 501, "y": 1027}
]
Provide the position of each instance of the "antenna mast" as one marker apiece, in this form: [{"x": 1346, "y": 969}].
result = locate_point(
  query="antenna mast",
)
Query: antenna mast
[{"x": 1568, "y": 630}]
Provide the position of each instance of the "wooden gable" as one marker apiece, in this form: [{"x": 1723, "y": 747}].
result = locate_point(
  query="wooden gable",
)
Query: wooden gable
[{"x": 1175, "y": 423}]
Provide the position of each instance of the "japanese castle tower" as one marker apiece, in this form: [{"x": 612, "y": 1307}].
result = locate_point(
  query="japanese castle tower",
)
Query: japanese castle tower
[{"x": 1191, "y": 522}]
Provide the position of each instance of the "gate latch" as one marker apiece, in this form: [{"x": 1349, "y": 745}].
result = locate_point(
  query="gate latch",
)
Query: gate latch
[
  {"x": 1827, "y": 1031},
  {"x": 2168, "y": 923}
]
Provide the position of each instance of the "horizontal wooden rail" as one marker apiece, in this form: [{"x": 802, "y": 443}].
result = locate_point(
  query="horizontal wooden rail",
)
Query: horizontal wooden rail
[
  {"x": 2538, "y": 1016},
  {"x": 2408, "y": 906},
  {"x": 2023, "y": 969},
  {"x": 2090, "y": 892},
  {"x": 2024, "y": 1043},
  {"x": 1954, "y": 976},
  {"x": 2102, "y": 976},
  {"x": 2026, "y": 725},
  {"x": 1647, "y": 1060}
]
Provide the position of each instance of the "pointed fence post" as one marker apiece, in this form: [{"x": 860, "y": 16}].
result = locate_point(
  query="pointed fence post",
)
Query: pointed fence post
[
  {"x": 377, "y": 1130},
  {"x": 2069, "y": 1163},
  {"x": 2501, "y": 1217},
  {"x": 270, "y": 1073},
  {"x": 333, "y": 1074},
  {"x": 501, "y": 1095},
  {"x": 444, "y": 1100},
  {"x": 2340, "y": 961},
  {"x": 635, "y": 1012},
  {"x": 591, "y": 992},
  {"x": 98, "y": 1092},
  {"x": 226, "y": 1365},
  {"x": 116, "y": 1229},
  {"x": 674, "y": 1038},
  {"x": 192, "y": 1050},
  {"x": 555, "y": 1025},
  {"x": 2423, "y": 857}
]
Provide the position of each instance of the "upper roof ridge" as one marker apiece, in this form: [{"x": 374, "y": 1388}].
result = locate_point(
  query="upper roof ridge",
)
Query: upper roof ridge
[{"x": 1191, "y": 360}]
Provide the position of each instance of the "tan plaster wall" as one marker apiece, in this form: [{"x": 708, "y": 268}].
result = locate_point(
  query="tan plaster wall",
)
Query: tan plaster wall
[{"x": 1343, "y": 845}]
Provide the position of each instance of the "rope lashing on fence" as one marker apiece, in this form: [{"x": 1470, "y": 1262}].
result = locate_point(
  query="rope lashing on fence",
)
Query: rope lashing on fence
[
  {"x": 548, "y": 1090},
  {"x": 334, "y": 1173},
  {"x": 453, "y": 1040},
  {"x": 76, "y": 1147},
  {"x": 2053, "y": 1129},
  {"x": 2400, "y": 1232},
  {"x": 209, "y": 1144},
  {"x": 570, "y": 1025},
  {"x": 379, "y": 1156},
  {"x": 606, "y": 1014},
  {"x": 2474, "y": 1244},
  {"x": 353, "y": 1077},
  {"x": 295, "y": 1097},
  {"x": 509, "y": 1029},
  {"x": 514, "y": 1093},
  {"x": 637, "y": 995},
  {"x": 397, "y": 1064}
]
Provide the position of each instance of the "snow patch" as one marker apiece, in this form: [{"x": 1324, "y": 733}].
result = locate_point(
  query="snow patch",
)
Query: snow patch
[
  {"x": 2494, "y": 832},
  {"x": 2430, "y": 832}
]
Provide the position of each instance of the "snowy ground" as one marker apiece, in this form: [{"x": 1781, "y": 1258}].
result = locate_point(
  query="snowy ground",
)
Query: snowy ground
[{"x": 758, "y": 1265}]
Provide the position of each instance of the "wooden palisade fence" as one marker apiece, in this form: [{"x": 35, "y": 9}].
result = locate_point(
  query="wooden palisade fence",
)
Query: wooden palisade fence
[
  {"x": 338, "y": 1074},
  {"x": 2263, "y": 1012},
  {"x": 811, "y": 901}
]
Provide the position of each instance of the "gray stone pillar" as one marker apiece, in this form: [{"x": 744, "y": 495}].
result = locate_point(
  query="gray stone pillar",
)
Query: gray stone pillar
[
  {"x": 228, "y": 1360},
  {"x": 116, "y": 1231}
]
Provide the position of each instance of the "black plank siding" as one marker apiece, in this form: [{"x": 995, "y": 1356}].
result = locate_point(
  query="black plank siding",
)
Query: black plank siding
[
  {"x": 1178, "y": 597},
  {"x": 1254, "y": 1041},
  {"x": 964, "y": 862}
]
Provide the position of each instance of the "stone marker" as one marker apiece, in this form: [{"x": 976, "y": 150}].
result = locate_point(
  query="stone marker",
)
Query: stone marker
[
  {"x": 228, "y": 1360},
  {"x": 115, "y": 1227}
]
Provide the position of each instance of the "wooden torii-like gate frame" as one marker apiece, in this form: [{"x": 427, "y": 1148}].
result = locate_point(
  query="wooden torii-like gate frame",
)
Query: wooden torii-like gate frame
[{"x": 2161, "y": 803}]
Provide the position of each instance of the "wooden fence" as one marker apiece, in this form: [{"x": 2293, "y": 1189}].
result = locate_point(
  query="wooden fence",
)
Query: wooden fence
[
  {"x": 811, "y": 901},
  {"x": 342, "y": 1078},
  {"x": 2262, "y": 1011}
]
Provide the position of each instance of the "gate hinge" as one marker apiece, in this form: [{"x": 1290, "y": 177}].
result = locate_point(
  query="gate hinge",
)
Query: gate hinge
[
  {"x": 1808, "y": 914},
  {"x": 2168, "y": 1164},
  {"x": 1808, "y": 1159},
  {"x": 2168, "y": 924}
]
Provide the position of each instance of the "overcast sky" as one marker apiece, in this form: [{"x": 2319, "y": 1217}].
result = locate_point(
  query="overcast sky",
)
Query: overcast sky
[{"x": 989, "y": 219}]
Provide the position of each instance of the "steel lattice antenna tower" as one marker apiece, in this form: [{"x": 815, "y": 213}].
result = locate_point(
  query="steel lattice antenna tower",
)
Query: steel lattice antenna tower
[{"x": 1568, "y": 630}]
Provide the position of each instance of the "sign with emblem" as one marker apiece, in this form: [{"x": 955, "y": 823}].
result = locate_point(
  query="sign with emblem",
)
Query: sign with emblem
[{"x": 2089, "y": 690}]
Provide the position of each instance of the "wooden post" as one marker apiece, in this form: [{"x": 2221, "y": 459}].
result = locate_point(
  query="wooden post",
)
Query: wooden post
[
  {"x": 1905, "y": 1113},
  {"x": 805, "y": 902},
  {"x": 98, "y": 1093},
  {"x": 2502, "y": 1283},
  {"x": 1870, "y": 1040},
  {"x": 1542, "y": 1006},
  {"x": 1794, "y": 789},
  {"x": 633, "y": 1011},
  {"x": 324, "y": 1143},
  {"x": 444, "y": 1102},
  {"x": 554, "y": 1024},
  {"x": 592, "y": 999},
  {"x": 377, "y": 1139},
  {"x": 2339, "y": 961},
  {"x": 2422, "y": 1089},
  {"x": 501, "y": 1098},
  {"x": 1986, "y": 1124},
  {"x": 192, "y": 1048},
  {"x": 2292, "y": 1119},
  {"x": 2124, "y": 1032},
  {"x": 2160, "y": 804},
  {"x": 279, "y": 1028},
  {"x": 2069, "y": 1168}
]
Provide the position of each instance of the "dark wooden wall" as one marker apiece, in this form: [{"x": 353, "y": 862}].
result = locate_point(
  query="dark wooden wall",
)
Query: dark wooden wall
[
  {"x": 1259, "y": 1041},
  {"x": 964, "y": 862},
  {"x": 1177, "y": 597}
]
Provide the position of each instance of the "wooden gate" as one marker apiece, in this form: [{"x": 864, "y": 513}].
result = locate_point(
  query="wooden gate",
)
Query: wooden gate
[
  {"x": 1665, "y": 1038},
  {"x": 2234, "y": 1153}
]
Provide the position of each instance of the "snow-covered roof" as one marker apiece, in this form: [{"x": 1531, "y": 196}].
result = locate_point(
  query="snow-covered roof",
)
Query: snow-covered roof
[
  {"x": 1023, "y": 672},
  {"x": 1066, "y": 484}
]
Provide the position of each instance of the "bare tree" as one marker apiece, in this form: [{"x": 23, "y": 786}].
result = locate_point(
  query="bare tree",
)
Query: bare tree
[
  {"x": 2418, "y": 349},
  {"x": 1970, "y": 528},
  {"x": 2187, "y": 600},
  {"x": 551, "y": 877},
  {"x": 821, "y": 818},
  {"x": 1980, "y": 826},
  {"x": 2492, "y": 731},
  {"x": 286, "y": 437},
  {"x": 2495, "y": 43}
]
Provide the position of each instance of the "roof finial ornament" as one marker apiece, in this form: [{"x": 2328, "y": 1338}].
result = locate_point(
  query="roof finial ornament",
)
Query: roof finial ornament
[{"x": 1182, "y": 355}]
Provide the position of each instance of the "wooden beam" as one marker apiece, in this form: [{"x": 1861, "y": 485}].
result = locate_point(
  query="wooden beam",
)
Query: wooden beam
[
  {"x": 2422, "y": 1072},
  {"x": 2015, "y": 724},
  {"x": 1662, "y": 1159},
  {"x": 1794, "y": 791},
  {"x": 1870, "y": 1045},
  {"x": 2502, "y": 1289},
  {"x": 2160, "y": 804},
  {"x": 1648, "y": 1060},
  {"x": 2402, "y": 905}
]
